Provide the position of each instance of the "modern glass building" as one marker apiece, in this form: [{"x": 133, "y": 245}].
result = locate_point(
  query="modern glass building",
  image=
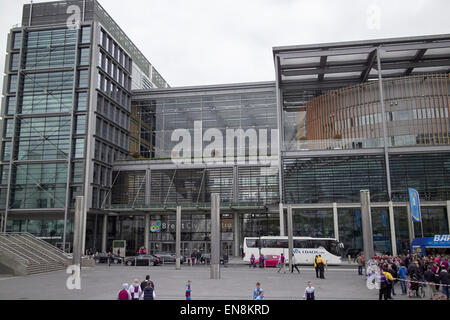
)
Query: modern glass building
[
  {"x": 66, "y": 111},
  {"x": 85, "y": 113}
]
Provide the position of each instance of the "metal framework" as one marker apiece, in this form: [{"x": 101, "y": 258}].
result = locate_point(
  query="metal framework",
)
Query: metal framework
[{"x": 306, "y": 71}]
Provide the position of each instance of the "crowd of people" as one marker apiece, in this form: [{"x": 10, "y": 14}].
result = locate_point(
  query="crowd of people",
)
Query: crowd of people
[
  {"x": 138, "y": 291},
  {"x": 413, "y": 273}
]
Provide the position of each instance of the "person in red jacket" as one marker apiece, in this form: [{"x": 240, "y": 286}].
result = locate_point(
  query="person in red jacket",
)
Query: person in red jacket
[{"x": 124, "y": 294}]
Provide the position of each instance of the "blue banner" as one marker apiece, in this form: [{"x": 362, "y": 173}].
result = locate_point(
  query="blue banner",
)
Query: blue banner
[
  {"x": 414, "y": 204},
  {"x": 358, "y": 218}
]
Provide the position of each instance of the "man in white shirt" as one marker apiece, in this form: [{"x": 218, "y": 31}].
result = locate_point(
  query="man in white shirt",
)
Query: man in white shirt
[{"x": 294, "y": 264}]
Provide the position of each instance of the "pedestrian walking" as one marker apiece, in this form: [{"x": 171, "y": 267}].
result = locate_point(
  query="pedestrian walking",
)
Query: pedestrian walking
[
  {"x": 383, "y": 291},
  {"x": 124, "y": 294},
  {"x": 109, "y": 258},
  {"x": 402, "y": 272},
  {"x": 149, "y": 291},
  {"x": 188, "y": 290},
  {"x": 252, "y": 261},
  {"x": 361, "y": 262},
  {"x": 281, "y": 262},
  {"x": 429, "y": 278},
  {"x": 445, "y": 281},
  {"x": 261, "y": 296},
  {"x": 321, "y": 266},
  {"x": 309, "y": 292},
  {"x": 316, "y": 267},
  {"x": 193, "y": 257},
  {"x": 135, "y": 290},
  {"x": 294, "y": 264},
  {"x": 144, "y": 283},
  {"x": 261, "y": 261},
  {"x": 257, "y": 291}
]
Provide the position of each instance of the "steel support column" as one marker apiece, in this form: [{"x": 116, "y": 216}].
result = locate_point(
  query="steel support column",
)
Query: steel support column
[
  {"x": 335, "y": 221},
  {"x": 104, "y": 232},
  {"x": 392, "y": 225},
  {"x": 281, "y": 210},
  {"x": 290, "y": 237},
  {"x": 236, "y": 234},
  {"x": 385, "y": 131},
  {"x": 78, "y": 231},
  {"x": 215, "y": 236},
  {"x": 366, "y": 224},
  {"x": 178, "y": 239},
  {"x": 147, "y": 230}
]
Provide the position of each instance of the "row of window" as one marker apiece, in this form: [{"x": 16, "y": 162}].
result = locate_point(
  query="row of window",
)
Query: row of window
[
  {"x": 111, "y": 133},
  {"x": 112, "y": 112},
  {"x": 114, "y": 70},
  {"x": 108, "y": 154},
  {"x": 113, "y": 91},
  {"x": 115, "y": 51}
]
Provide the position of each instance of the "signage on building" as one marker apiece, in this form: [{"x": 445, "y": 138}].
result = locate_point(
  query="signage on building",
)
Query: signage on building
[
  {"x": 155, "y": 226},
  {"x": 414, "y": 204}
]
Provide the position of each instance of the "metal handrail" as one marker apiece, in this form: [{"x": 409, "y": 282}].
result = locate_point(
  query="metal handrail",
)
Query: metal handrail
[
  {"x": 54, "y": 255},
  {"x": 30, "y": 245},
  {"x": 18, "y": 253},
  {"x": 7, "y": 250},
  {"x": 36, "y": 259},
  {"x": 35, "y": 238},
  {"x": 32, "y": 250},
  {"x": 48, "y": 245}
]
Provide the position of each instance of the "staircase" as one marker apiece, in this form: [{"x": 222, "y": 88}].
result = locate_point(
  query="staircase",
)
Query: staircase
[{"x": 25, "y": 254}]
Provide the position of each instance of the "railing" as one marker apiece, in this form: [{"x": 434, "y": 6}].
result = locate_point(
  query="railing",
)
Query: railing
[
  {"x": 55, "y": 250},
  {"x": 17, "y": 252},
  {"x": 29, "y": 253},
  {"x": 204, "y": 205},
  {"x": 3, "y": 247},
  {"x": 44, "y": 245}
]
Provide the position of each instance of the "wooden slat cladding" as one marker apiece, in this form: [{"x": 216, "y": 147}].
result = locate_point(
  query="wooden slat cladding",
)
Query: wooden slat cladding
[{"x": 417, "y": 112}]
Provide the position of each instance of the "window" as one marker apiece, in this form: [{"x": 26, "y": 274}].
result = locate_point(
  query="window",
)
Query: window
[
  {"x": 84, "y": 56},
  {"x": 83, "y": 79},
  {"x": 10, "y": 105},
  {"x": 77, "y": 172},
  {"x": 17, "y": 40},
  {"x": 79, "y": 148},
  {"x": 12, "y": 86},
  {"x": 15, "y": 61},
  {"x": 82, "y": 101},
  {"x": 81, "y": 124},
  {"x": 86, "y": 35}
]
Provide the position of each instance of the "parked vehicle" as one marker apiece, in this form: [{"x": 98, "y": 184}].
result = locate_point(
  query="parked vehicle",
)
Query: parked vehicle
[
  {"x": 143, "y": 260},
  {"x": 103, "y": 258},
  {"x": 269, "y": 260},
  {"x": 206, "y": 259},
  {"x": 167, "y": 257}
]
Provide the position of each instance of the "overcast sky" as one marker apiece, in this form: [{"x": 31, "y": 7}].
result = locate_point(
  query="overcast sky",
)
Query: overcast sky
[{"x": 200, "y": 42}]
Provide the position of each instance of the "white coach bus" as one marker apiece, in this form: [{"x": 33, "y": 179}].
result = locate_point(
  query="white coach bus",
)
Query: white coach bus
[{"x": 305, "y": 248}]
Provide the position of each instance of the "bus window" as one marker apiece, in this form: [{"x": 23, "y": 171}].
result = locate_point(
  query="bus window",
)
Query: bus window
[
  {"x": 302, "y": 244},
  {"x": 319, "y": 244},
  {"x": 252, "y": 243},
  {"x": 269, "y": 243},
  {"x": 282, "y": 244}
]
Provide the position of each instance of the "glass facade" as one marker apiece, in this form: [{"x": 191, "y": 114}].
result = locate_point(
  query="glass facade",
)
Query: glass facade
[
  {"x": 334, "y": 179},
  {"x": 350, "y": 230},
  {"x": 434, "y": 221},
  {"x": 161, "y": 116},
  {"x": 313, "y": 223},
  {"x": 428, "y": 173}
]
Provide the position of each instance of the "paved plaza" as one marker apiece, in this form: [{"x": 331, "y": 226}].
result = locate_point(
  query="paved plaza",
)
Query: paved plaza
[{"x": 237, "y": 283}]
